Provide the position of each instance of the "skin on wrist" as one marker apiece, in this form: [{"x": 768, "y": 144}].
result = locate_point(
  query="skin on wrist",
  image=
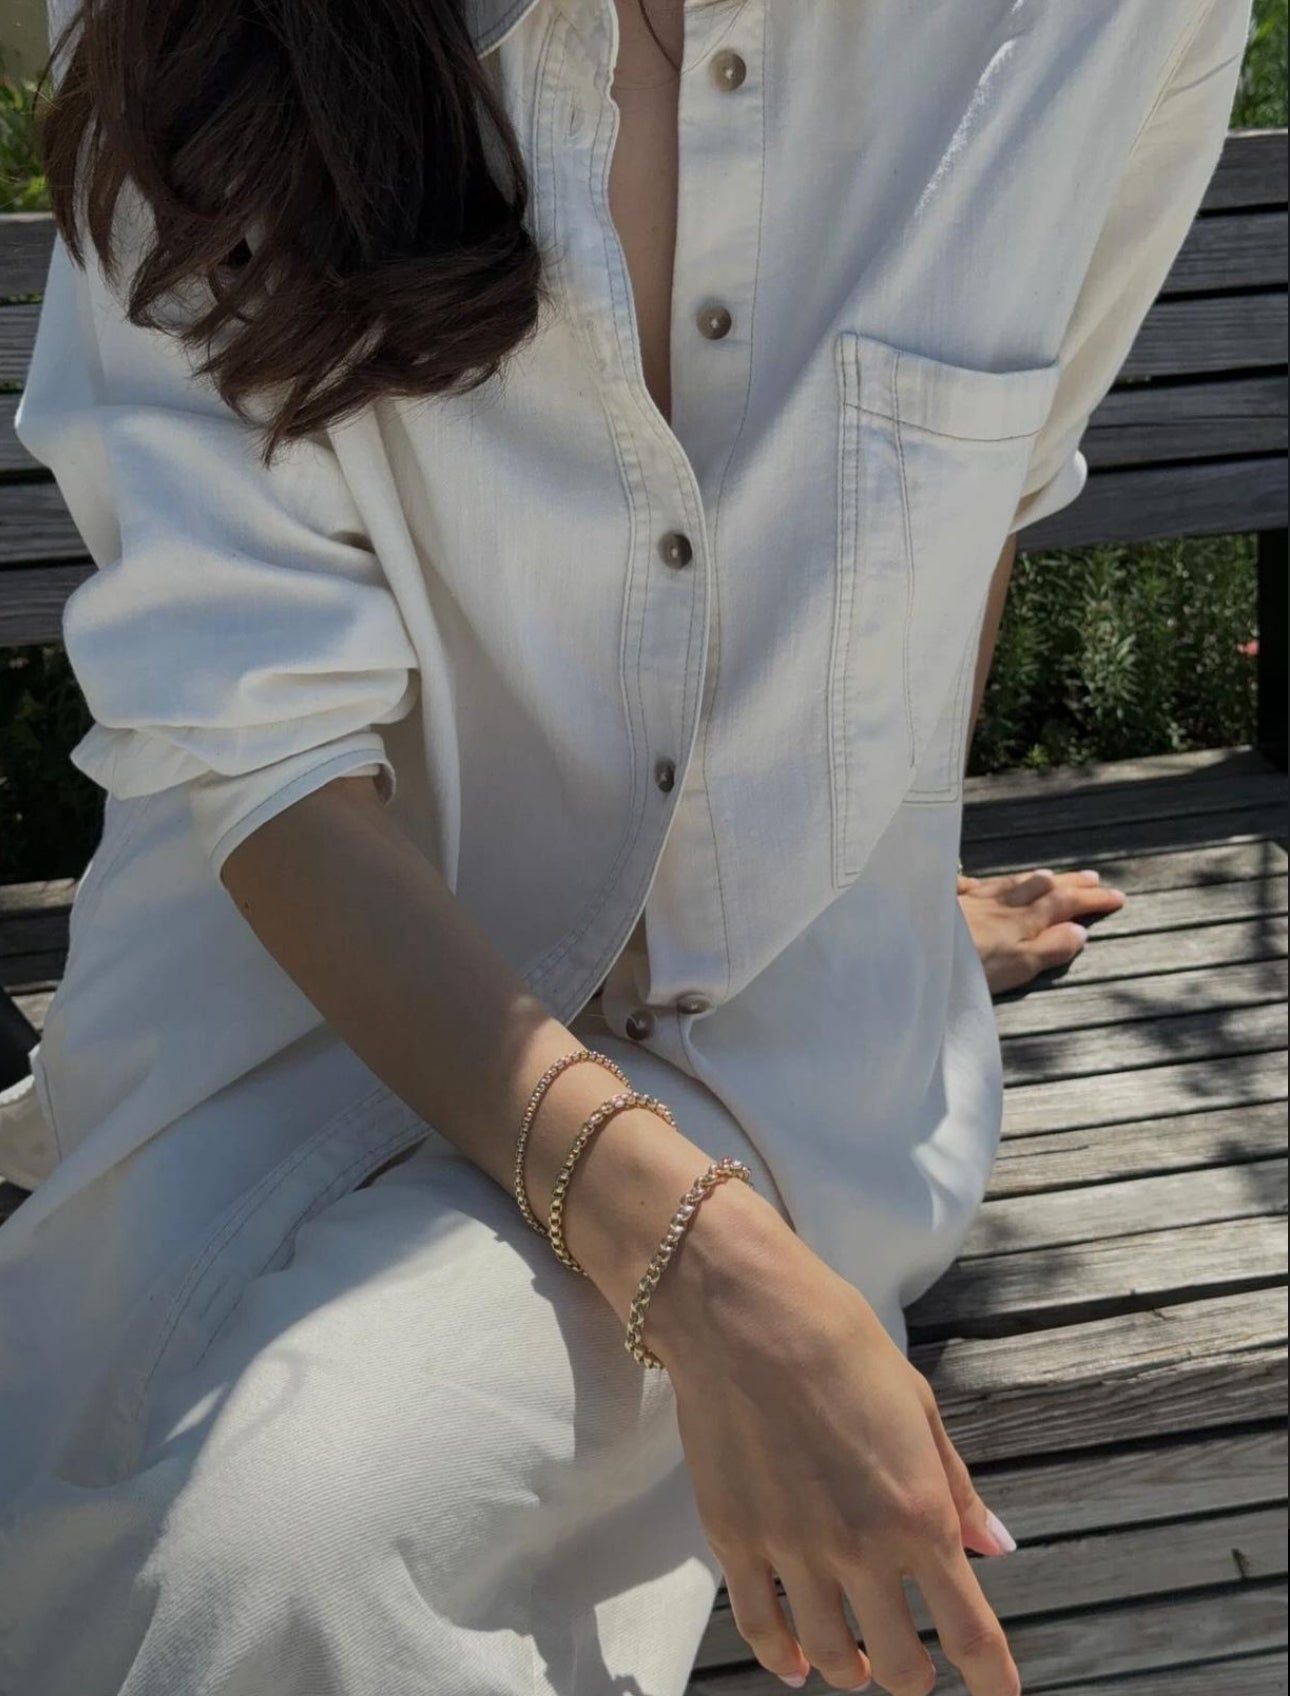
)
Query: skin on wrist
[{"x": 626, "y": 1185}]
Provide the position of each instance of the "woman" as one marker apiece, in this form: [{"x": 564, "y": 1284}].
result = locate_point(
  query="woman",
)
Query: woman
[{"x": 614, "y": 425}]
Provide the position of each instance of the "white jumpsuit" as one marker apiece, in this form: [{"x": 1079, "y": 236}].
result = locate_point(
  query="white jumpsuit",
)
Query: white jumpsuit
[{"x": 273, "y": 1431}]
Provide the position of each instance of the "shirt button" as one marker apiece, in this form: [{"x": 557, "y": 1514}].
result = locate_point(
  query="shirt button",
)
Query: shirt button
[
  {"x": 693, "y": 1004},
  {"x": 715, "y": 322},
  {"x": 676, "y": 550},
  {"x": 639, "y": 1024},
  {"x": 665, "y": 775},
  {"x": 728, "y": 70}
]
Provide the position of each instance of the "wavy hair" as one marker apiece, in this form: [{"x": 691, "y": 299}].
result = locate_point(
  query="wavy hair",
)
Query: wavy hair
[{"x": 338, "y": 178}]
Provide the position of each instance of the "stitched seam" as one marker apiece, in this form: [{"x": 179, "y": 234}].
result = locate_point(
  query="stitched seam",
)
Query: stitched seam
[
  {"x": 552, "y": 958},
  {"x": 909, "y": 556},
  {"x": 219, "y": 1240},
  {"x": 894, "y": 417},
  {"x": 339, "y": 1186},
  {"x": 1180, "y": 53},
  {"x": 848, "y": 487},
  {"x": 725, "y": 475}
]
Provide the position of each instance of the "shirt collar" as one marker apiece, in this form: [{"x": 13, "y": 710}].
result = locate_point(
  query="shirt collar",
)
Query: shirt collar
[{"x": 489, "y": 21}]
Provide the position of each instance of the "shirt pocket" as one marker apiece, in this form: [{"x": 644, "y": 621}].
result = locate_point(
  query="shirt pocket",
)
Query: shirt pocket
[{"x": 932, "y": 462}]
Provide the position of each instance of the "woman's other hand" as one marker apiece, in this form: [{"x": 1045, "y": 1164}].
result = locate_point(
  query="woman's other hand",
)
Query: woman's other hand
[
  {"x": 817, "y": 1452},
  {"x": 1024, "y": 923}
]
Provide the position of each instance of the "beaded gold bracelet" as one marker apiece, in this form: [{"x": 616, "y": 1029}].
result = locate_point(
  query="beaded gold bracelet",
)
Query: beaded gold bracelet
[
  {"x": 718, "y": 1173},
  {"x": 530, "y": 1113},
  {"x": 596, "y": 1121}
]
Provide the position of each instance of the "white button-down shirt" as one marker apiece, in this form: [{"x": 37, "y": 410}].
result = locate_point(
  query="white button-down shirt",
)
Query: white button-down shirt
[{"x": 936, "y": 229}]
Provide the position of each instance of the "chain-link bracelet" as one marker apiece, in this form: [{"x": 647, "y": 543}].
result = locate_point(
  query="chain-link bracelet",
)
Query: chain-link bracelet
[
  {"x": 530, "y": 1113},
  {"x": 718, "y": 1173},
  {"x": 596, "y": 1121}
]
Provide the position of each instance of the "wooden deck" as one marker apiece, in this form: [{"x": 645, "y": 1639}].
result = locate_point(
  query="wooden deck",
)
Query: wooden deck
[{"x": 1110, "y": 1350}]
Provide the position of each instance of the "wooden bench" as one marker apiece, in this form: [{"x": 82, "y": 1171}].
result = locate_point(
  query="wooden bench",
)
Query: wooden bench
[{"x": 1110, "y": 1349}]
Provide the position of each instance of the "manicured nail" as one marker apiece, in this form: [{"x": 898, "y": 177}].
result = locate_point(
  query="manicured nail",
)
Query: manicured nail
[
  {"x": 1044, "y": 871},
  {"x": 795, "y": 1682},
  {"x": 1081, "y": 931},
  {"x": 1092, "y": 876},
  {"x": 999, "y": 1531}
]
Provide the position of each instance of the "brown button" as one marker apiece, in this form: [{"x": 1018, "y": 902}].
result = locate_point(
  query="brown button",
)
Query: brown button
[
  {"x": 728, "y": 70},
  {"x": 693, "y": 1004},
  {"x": 676, "y": 550},
  {"x": 665, "y": 775},
  {"x": 714, "y": 322},
  {"x": 639, "y": 1024}
]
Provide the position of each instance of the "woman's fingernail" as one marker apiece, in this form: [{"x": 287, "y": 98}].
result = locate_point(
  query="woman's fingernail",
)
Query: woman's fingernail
[
  {"x": 999, "y": 1531},
  {"x": 1081, "y": 931},
  {"x": 795, "y": 1682},
  {"x": 1043, "y": 871},
  {"x": 1091, "y": 875}
]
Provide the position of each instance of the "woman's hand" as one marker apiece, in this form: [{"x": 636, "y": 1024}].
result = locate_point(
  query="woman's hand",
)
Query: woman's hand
[
  {"x": 1025, "y": 923},
  {"x": 817, "y": 1452}
]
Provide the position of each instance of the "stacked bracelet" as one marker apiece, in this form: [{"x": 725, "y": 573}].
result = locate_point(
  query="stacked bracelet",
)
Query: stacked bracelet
[
  {"x": 596, "y": 1121},
  {"x": 530, "y": 1112},
  {"x": 688, "y": 1206}
]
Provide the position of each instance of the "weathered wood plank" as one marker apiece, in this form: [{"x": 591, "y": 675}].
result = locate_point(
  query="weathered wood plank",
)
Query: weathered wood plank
[
  {"x": 1231, "y": 250},
  {"x": 1097, "y": 1644},
  {"x": 32, "y": 602},
  {"x": 14, "y": 458},
  {"x": 1251, "y": 172},
  {"x": 26, "y": 240},
  {"x": 1221, "y": 334},
  {"x": 998, "y": 1295},
  {"x": 1146, "y": 1044},
  {"x": 1119, "y": 958},
  {"x": 1145, "y": 913},
  {"x": 1030, "y": 1165},
  {"x": 1061, "y": 1006},
  {"x": 1246, "y": 1675},
  {"x": 17, "y": 337},
  {"x": 1196, "y": 765},
  {"x": 1155, "y": 1092},
  {"x": 1081, "y": 810},
  {"x": 1126, "y": 1208},
  {"x": 1089, "y": 1571},
  {"x": 1143, "y": 854},
  {"x": 48, "y": 895},
  {"x": 1195, "y": 1366},
  {"x": 1146, "y": 424},
  {"x": 1141, "y": 1484},
  {"x": 1210, "y": 498},
  {"x": 34, "y": 1005},
  {"x": 35, "y": 528}
]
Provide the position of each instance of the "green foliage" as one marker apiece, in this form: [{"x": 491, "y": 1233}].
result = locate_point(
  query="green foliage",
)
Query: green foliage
[
  {"x": 51, "y": 813},
  {"x": 1113, "y": 653},
  {"x": 1261, "y": 101},
  {"x": 22, "y": 181}
]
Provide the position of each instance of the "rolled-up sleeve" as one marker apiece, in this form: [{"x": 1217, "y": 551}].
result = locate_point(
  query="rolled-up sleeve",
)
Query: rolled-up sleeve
[
  {"x": 238, "y": 636},
  {"x": 1164, "y": 182}
]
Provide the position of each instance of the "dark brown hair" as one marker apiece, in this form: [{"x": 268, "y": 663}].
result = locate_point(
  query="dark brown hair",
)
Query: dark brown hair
[{"x": 338, "y": 178}]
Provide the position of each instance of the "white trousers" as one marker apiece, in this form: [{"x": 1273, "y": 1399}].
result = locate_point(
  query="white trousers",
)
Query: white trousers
[{"x": 413, "y": 1459}]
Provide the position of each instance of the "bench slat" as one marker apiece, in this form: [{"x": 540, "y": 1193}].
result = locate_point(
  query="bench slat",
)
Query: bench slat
[
  {"x": 1212, "y": 498},
  {"x": 1234, "y": 250},
  {"x": 1223, "y": 333},
  {"x": 32, "y": 601},
  {"x": 1151, "y": 423},
  {"x": 1251, "y": 172}
]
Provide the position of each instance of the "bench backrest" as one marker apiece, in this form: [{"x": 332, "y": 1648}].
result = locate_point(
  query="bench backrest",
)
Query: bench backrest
[{"x": 1191, "y": 441}]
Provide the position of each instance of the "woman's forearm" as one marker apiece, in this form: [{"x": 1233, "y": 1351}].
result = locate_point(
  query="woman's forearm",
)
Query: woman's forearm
[{"x": 367, "y": 928}]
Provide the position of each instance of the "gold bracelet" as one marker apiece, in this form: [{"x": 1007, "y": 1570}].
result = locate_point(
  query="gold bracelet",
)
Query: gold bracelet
[
  {"x": 604, "y": 1113},
  {"x": 717, "y": 1173},
  {"x": 530, "y": 1113}
]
